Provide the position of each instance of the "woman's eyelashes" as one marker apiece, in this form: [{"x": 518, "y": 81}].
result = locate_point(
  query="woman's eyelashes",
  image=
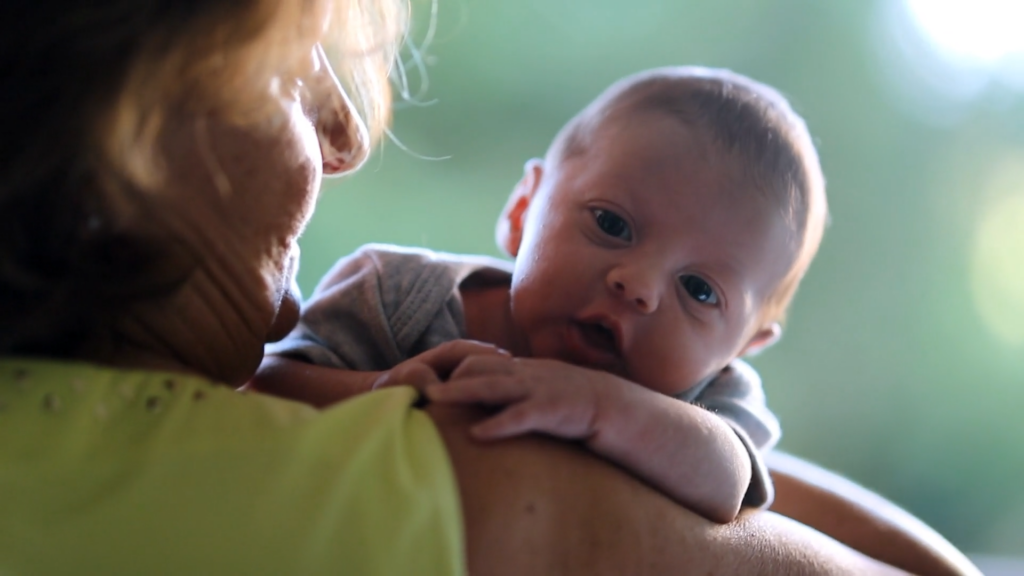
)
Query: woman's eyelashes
[
  {"x": 698, "y": 289},
  {"x": 612, "y": 224}
]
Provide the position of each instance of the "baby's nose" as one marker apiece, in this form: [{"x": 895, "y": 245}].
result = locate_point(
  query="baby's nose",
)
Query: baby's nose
[{"x": 636, "y": 288}]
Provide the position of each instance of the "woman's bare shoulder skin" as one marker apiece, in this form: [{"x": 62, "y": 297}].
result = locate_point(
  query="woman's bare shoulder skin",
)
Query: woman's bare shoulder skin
[{"x": 538, "y": 506}]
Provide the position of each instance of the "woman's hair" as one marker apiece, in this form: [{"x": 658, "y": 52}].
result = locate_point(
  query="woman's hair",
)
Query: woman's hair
[
  {"x": 748, "y": 119},
  {"x": 84, "y": 90}
]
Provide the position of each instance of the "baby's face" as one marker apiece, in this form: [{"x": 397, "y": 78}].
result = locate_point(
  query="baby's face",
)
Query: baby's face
[{"x": 648, "y": 256}]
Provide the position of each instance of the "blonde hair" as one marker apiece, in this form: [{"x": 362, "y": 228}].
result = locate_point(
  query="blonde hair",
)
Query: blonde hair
[
  {"x": 86, "y": 95},
  {"x": 235, "y": 63},
  {"x": 747, "y": 118}
]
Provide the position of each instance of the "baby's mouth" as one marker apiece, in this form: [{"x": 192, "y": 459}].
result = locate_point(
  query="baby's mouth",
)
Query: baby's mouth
[
  {"x": 599, "y": 337},
  {"x": 594, "y": 344}
]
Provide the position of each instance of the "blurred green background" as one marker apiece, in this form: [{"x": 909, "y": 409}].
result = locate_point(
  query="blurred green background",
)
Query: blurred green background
[{"x": 903, "y": 362}]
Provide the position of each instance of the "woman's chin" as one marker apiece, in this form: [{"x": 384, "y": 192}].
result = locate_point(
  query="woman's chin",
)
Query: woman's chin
[{"x": 287, "y": 316}]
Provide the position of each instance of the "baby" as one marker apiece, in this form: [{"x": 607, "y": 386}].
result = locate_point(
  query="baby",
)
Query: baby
[{"x": 660, "y": 239}]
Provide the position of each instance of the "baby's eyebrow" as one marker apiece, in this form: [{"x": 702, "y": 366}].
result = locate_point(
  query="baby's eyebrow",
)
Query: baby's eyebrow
[{"x": 721, "y": 269}]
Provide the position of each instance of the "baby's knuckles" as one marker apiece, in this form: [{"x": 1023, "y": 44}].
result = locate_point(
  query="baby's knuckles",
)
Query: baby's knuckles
[{"x": 566, "y": 394}]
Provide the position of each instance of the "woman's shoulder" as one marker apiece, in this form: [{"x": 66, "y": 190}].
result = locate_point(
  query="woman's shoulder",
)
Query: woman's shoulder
[{"x": 153, "y": 472}]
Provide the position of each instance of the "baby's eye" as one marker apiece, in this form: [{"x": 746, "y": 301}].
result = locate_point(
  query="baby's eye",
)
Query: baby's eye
[
  {"x": 612, "y": 224},
  {"x": 698, "y": 289}
]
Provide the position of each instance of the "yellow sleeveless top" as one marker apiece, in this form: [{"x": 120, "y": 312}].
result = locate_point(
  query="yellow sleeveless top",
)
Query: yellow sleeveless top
[{"x": 106, "y": 471}]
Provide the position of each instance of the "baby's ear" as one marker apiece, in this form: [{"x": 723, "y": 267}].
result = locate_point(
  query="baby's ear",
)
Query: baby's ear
[
  {"x": 509, "y": 232},
  {"x": 762, "y": 339}
]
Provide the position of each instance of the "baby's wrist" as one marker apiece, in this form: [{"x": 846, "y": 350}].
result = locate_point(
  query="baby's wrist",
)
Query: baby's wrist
[{"x": 612, "y": 400}]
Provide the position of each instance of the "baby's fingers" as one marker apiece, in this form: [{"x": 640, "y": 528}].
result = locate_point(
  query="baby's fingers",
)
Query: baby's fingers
[
  {"x": 484, "y": 390},
  {"x": 416, "y": 375},
  {"x": 478, "y": 366},
  {"x": 514, "y": 420},
  {"x": 449, "y": 355}
]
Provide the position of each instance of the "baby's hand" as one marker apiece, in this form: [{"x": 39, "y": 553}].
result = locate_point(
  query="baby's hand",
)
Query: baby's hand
[
  {"x": 538, "y": 395},
  {"x": 434, "y": 365}
]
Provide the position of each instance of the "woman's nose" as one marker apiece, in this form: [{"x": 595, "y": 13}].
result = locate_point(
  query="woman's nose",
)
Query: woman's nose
[
  {"x": 637, "y": 287},
  {"x": 344, "y": 141}
]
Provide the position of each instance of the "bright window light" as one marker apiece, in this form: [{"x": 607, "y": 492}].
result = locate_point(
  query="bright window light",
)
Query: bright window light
[
  {"x": 982, "y": 31},
  {"x": 997, "y": 276}
]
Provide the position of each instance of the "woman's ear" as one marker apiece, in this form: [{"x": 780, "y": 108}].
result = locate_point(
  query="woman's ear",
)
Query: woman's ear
[
  {"x": 344, "y": 142},
  {"x": 762, "y": 339},
  {"x": 509, "y": 233}
]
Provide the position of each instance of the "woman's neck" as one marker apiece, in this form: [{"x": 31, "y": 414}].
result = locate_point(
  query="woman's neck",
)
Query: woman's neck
[
  {"x": 134, "y": 358},
  {"x": 203, "y": 329}
]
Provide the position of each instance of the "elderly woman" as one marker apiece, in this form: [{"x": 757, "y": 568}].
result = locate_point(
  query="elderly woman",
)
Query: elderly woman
[{"x": 159, "y": 159}]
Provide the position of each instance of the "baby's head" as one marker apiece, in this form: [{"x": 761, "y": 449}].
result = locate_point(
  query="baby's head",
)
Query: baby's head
[{"x": 667, "y": 228}]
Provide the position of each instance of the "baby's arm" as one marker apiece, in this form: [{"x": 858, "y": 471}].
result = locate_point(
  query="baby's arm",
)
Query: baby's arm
[
  {"x": 322, "y": 386},
  {"x": 736, "y": 396},
  {"x": 319, "y": 386},
  {"x": 685, "y": 451}
]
